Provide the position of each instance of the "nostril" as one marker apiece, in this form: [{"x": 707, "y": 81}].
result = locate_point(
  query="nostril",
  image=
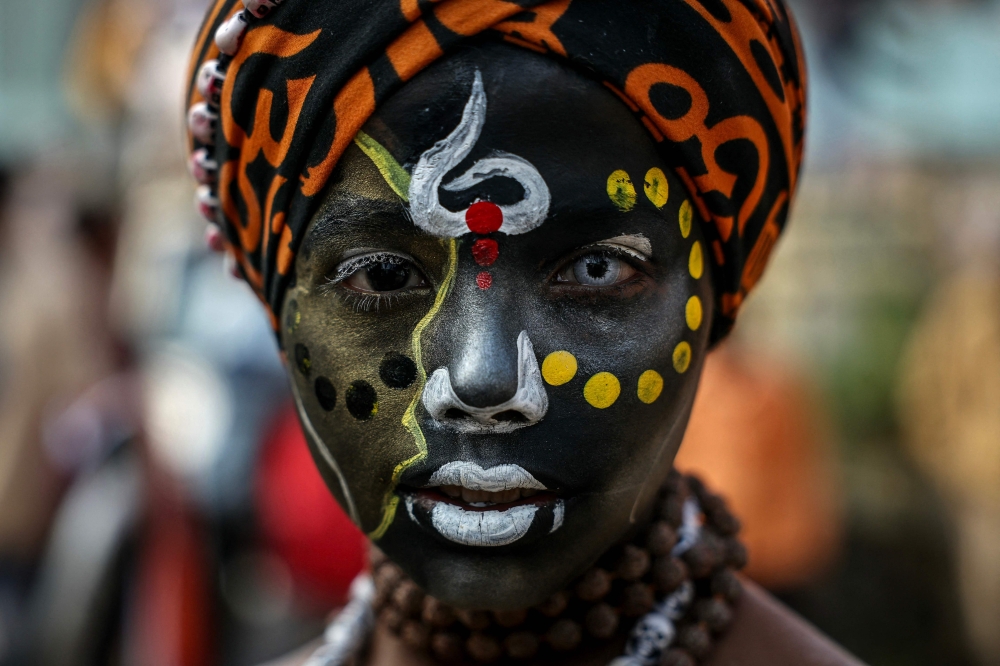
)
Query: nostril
[
  {"x": 455, "y": 413},
  {"x": 511, "y": 416}
]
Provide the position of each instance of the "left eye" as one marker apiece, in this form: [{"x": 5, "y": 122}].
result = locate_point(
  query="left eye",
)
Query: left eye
[
  {"x": 380, "y": 273},
  {"x": 598, "y": 269}
]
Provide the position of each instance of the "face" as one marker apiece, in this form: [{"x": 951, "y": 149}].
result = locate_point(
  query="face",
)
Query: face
[{"x": 497, "y": 326}]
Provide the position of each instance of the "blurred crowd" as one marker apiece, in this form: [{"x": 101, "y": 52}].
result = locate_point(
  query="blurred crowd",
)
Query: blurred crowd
[{"x": 158, "y": 505}]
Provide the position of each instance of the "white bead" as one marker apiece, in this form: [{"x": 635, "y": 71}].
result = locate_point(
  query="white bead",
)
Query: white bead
[
  {"x": 203, "y": 167},
  {"x": 230, "y": 34},
  {"x": 206, "y": 203},
  {"x": 260, "y": 8},
  {"x": 202, "y": 121},
  {"x": 210, "y": 80}
]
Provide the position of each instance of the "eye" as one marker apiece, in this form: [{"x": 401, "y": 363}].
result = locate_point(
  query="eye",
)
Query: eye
[
  {"x": 596, "y": 269},
  {"x": 379, "y": 273}
]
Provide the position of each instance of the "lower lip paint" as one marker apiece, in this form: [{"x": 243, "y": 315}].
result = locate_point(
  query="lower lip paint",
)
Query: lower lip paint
[{"x": 486, "y": 526}]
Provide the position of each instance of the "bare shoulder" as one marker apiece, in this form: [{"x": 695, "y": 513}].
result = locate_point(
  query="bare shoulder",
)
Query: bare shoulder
[{"x": 766, "y": 633}]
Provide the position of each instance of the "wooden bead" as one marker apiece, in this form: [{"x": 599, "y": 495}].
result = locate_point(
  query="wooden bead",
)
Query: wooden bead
[
  {"x": 387, "y": 576},
  {"x": 416, "y": 635},
  {"x": 564, "y": 635},
  {"x": 521, "y": 645},
  {"x": 695, "y": 639},
  {"x": 676, "y": 657},
  {"x": 726, "y": 584},
  {"x": 736, "y": 554},
  {"x": 701, "y": 559},
  {"x": 637, "y": 599},
  {"x": 510, "y": 619},
  {"x": 483, "y": 648},
  {"x": 601, "y": 621},
  {"x": 437, "y": 614},
  {"x": 668, "y": 573},
  {"x": 447, "y": 647},
  {"x": 475, "y": 620},
  {"x": 634, "y": 563},
  {"x": 391, "y": 618},
  {"x": 714, "y": 613},
  {"x": 595, "y": 584},
  {"x": 376, "y": 557},
  {"x": 554, "y": 605},
  {"x": 408, "y": 598},
  {"x": 662, "y": 539}
]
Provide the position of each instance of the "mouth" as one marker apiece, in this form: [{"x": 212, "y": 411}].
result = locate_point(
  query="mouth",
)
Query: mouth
[{"x": 472, "y": 506}]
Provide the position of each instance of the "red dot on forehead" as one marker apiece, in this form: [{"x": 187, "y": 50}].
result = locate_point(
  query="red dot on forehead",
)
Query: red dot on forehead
[
  {"x": 485, "y": 251},
  {"x": 484, "y": 280},
  {"x": 484, "y": 217}
]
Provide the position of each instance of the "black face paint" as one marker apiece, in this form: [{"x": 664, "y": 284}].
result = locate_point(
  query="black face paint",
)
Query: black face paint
[
  {"x": 326, "y": 394},
  {"x": 597, "y": 300},
  {"x": 397, "y": 371},
  {"x": 302, "y": 360}
]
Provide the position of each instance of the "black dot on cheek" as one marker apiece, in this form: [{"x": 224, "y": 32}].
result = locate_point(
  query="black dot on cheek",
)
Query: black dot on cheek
[
  {"x": 397, "y": 371},
  {"x": 294, "y": 317},
  {"x": 302, "y": 360},
  {"x": 326, "y": 393},
  {"x": 361, "y": 400}
]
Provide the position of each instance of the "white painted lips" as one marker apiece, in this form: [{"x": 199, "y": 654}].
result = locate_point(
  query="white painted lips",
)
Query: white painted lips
[{"x": 486, "y": 527}]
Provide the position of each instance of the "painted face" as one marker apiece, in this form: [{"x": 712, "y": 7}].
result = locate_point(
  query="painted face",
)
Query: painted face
[{"x": 497, "y": 326}]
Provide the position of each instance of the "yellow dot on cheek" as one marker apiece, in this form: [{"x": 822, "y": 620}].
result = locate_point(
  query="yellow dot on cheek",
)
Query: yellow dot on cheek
[
  {"x": 559, "y": 368},
  {"x": 650, "y": 386},
  {"x": 686, "y": 218},
  {"x": 656, "y": 186},
  {"x": 682, "y": 357},
  {"x": 696, "y": 264},
  {"x": 621, "y": 190},
  {"x": 693, "y": 312},
  {"x": 602, "y": 390}
]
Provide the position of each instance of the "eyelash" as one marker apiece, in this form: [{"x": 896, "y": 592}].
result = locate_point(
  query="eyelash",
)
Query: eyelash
[{"x": 357, "y": 301}]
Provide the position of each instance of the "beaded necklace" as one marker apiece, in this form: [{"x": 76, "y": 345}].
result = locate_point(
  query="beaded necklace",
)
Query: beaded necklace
[{"x": 675, "y": 579}]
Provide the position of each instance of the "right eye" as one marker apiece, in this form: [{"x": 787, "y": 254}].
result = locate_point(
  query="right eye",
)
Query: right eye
[{"x": 379, "y": 273}]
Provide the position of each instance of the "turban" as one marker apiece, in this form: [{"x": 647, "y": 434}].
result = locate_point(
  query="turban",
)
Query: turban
[{"x": 278, "y": 89}]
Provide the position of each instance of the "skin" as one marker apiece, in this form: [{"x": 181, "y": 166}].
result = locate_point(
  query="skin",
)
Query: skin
[{"x": 604, "y": 464}]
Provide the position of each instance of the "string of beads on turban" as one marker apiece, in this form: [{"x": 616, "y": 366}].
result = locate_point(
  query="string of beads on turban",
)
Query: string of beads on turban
[{"x": 719, "y": 84}]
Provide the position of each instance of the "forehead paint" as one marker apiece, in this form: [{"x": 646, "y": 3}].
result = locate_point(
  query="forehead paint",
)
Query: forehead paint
[
  {"x": 657, "y": 187},
  {"x": 696, "y": 264},
  {"x": 484, "y": 280},
  {"x": 434, "y": 164},
  {"x": 395, "y": 175},
  {"x": 693, "y": 313},
  {"x": 621, "y": 190},
  {"x": 485, "y": 251},
  {"x": 686, "y": 218},
  {"x": 326, "y": 394}
]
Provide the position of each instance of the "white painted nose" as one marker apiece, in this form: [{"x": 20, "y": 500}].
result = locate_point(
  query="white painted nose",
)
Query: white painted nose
[{"x": 527, "y": 407}]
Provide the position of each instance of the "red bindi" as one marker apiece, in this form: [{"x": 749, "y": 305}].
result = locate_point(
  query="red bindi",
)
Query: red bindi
[
  {"x": 484, "y": 217},
  {"x": 485, "y": 251},
  {"x": 484, "y": 280}
]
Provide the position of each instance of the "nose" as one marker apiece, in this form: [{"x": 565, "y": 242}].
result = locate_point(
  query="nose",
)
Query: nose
[{"x": 526, "y": 406}]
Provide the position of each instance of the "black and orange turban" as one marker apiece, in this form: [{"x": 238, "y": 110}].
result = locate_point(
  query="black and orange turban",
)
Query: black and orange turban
[{"x": 278, "y": 89}]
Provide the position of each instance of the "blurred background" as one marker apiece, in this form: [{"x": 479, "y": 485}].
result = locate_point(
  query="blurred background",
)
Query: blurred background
[{"x": 158, "y": 505}]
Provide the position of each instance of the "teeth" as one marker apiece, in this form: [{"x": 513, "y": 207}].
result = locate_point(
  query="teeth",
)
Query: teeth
[{"x": 486, "y": 497}]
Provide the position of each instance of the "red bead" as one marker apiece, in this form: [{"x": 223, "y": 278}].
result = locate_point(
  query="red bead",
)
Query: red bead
[
  {"x": 214, "y": 238},
  {"x": 484, "y": 217},
  {"x": 484, "y": 280},
  {"x": 485, "y": 251}
]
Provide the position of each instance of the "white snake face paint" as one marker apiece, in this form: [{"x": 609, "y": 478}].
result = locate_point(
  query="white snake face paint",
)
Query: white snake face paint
[
  {"x": 506, "y": 504},
  {"x": 448, "y": 153}
]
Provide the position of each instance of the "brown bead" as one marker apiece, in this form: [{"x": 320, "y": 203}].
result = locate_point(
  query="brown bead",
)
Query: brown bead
[
  {"x": 483, "y": 648},
  {"x": 633, "y": 564},
  {"x": 637, "y": 599},
  {"x": 437, "y": 614},
  {"x": 736, "y": 554},
  {"x": 668, "y": 573},
  {"x": 695, "y": 639},
  {"x": 701, "y": 559},
  {"x": 408, "y": 598},
  {"x": 564, "y": 635},
  {"x": 601, "y": 621},
  {"x": 676, "y": 657},
  {"x": 387, "y": 576},
  {"x": 726, "y": 583},
  {"x": 672, "y": 510},
  {"x": 724, "y": 522},
  {"x": 416, "y": 635},
  {"x": 391, "y": 618},
  {"x": 662, "y": 538},
  {"x": 376, "y": 558},
  {"x": 595, "y": 584},
  {"x": 554, "y": 605},
  {"x": 510, "y": 619},
  {"x": 475, "y": 620},
  {"x": 521, "y": 645},
  {"x": 714, "y": 613},
  {"x": 712, "y": 504},
  {"x": 448, "y": 647}
]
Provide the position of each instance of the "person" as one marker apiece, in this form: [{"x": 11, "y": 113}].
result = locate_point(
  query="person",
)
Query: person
[{"x": 496, "y": 241}]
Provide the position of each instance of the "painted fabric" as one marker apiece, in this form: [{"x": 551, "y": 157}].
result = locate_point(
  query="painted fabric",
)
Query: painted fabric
[{"x": 720, "y": 85}]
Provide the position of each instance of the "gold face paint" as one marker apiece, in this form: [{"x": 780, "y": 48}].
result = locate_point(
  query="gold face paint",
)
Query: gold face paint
[
  {"x": 394, "y": 174},
  {"x": 391, "y": 501}
]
